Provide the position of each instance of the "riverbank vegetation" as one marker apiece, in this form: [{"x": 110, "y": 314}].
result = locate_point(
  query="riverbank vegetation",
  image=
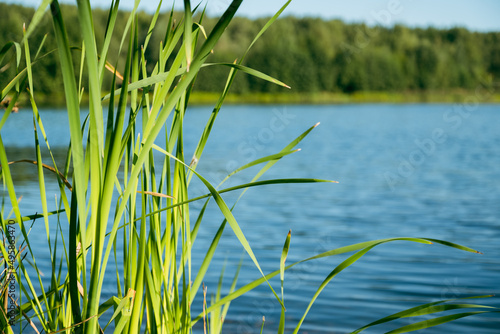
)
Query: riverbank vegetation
[{"x": 323, "y": 61}]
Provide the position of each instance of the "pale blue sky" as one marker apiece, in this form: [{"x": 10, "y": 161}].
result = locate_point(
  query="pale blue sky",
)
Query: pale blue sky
[{"x": 481, "y": 15}]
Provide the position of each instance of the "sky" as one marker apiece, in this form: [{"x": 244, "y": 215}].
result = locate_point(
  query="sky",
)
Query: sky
[{"x": 478, "y": 15}]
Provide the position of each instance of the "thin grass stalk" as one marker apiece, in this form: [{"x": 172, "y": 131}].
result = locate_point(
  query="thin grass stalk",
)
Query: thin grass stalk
[
  {"x": 41, "y": 181},
  {"x": 284, "y": 255},
  {"x": 136, "y": 68},
  {"x": 136, "y": 316},
  {"x": 54, "y": 302},
  {"x": 110, "y": 26}
]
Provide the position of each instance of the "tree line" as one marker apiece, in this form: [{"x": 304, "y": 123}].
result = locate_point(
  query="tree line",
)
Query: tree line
[{"x": 309, "y": 54}]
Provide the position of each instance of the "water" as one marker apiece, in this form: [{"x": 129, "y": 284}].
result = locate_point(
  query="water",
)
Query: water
[{"x": 404, "y": 170}]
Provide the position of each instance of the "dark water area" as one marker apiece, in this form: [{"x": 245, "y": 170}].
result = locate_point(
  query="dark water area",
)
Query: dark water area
[{"x": 403, "y": 170}]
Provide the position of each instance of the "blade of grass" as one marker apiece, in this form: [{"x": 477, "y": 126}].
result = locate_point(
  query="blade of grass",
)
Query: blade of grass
[
  {"x": 110, "y": 26},
  {"x": 78, "y": 195},
  {"x": 284, "y": 255},
  {"x": 188, "y": 38},
  {"x": 424, "y": 309},
  {"x": 345, "y": 264},
  {"x": 435, "y": 322},
  {"x": 17, "y": 52},
  {"x": 36, "y": 19},
  {"x": 251, "y": 72},
  {"x": 41, "y": 182}
]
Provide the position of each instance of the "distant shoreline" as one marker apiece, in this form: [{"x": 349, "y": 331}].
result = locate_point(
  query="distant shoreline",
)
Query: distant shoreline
[
  {"x": 458, "y": 96},
  {"x": 324, "y": 61},
  {"x": 208, "y": 98}
]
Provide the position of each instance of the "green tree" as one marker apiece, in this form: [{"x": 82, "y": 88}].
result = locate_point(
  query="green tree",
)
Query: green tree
[{"x": 426, "y": 61}]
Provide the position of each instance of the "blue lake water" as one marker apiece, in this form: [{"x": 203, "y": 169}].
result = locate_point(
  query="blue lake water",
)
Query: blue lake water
[{"x": 404, "y": 171}]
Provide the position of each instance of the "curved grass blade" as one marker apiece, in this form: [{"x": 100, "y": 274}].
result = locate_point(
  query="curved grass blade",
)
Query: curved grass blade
[
  {"x": 425, "y": 309},
  {"x": 453, "y": 245},
  {"x": 231, "y": 289},
  {"x": 284, "y": 255},
  {"x": 337, "y": 251},
  {"x": 19, "y": 81},
  {"x": 244, "y": 186},
  {"x": 36, "y": 19},
  {"x": 17, "y": 52},
  {"x": 266, "y": 26},
  {"x": 110, "y": 26},
  {"x": 252, "y": 72},
  {"x": 188, "y": 29},
  {"x": 211, "y": 250},
  {"x": 153, "y": 24},
  {"x": 271, "y": 157},
  {"x": 351, "y": 260},
  {"x": 290, "y": 146},
  {"x": 436, "y": 321},
  {"x": 36, "y": 216},
  {"x": 345, "y": 264}
]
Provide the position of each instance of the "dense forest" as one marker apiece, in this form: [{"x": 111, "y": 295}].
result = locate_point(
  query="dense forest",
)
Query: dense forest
[{"x": 309, "y": 54}]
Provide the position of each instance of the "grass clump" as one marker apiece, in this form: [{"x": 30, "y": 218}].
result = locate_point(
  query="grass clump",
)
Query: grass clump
[{"x": 117, "y": 204}]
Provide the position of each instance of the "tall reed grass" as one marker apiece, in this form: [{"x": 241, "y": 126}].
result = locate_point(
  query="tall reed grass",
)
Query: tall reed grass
[{"x": 120, "y": 205}]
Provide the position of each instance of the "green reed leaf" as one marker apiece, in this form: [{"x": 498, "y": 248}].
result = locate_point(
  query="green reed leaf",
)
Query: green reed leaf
[{"x": 435, "y": 322}]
